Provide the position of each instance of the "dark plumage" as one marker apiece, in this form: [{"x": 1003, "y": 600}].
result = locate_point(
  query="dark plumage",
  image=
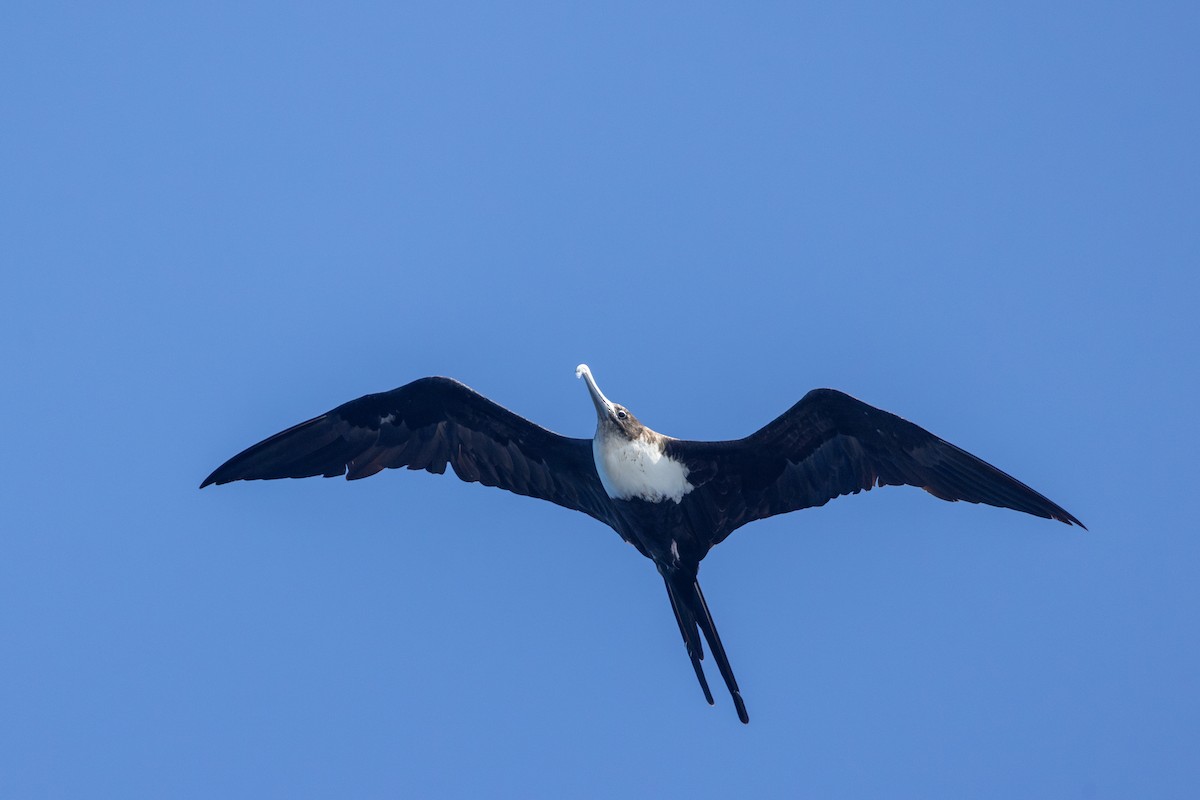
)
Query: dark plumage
[
  {"x": 672, "y": 499},
  {"x": 425, "y": 425}
]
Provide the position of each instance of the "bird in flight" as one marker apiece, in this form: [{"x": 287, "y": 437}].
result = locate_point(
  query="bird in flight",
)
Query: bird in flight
[{"x": 672, "y": 499}]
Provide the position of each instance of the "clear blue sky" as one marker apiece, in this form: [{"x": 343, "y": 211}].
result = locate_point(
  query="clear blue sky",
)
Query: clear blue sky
[{"x": 218, "y": 219}]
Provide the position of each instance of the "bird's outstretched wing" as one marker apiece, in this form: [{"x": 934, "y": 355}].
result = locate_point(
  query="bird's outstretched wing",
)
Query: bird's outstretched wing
[
  {"x": 830, "y": 444},
  {"x": 428, "y": 424}
]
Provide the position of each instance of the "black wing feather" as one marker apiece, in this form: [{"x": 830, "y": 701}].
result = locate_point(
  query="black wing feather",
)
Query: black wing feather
[
  {"x": 428, "y": 424},
  {"x": 830, "y": 444}
]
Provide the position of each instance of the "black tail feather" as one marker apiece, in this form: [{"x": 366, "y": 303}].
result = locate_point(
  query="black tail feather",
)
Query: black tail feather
[
  {"x": 718, "y": 650},
  {"x": 694, "y": 618},
  {"x": 691, "y": 640}
]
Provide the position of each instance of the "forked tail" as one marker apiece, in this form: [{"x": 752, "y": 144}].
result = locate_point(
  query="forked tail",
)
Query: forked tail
[{"x": 692, "y": 614}]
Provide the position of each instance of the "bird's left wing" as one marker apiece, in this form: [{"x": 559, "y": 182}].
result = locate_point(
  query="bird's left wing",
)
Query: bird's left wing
[
  {"x": 830, "y": 444},
  {"x": 428, "y": 424}
]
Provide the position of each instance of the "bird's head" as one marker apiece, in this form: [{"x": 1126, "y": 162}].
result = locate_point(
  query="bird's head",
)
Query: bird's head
[{"x": 611, "y": 418}]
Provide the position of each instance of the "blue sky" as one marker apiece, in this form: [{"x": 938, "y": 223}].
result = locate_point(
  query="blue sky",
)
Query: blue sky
[{"x": 221, "y": 219}]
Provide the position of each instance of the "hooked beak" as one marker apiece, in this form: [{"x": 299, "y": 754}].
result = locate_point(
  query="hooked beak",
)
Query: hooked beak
[{"x": 604, "y": 408}]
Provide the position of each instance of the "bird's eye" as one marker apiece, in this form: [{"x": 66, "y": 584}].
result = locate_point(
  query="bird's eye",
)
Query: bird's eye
[{"x": 621, "y": 414}]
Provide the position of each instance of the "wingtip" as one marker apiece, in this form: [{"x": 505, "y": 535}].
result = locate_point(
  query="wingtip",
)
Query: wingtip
[
  {"x": 1065, "y": 517},
  {"x": 214, "y": 477}
]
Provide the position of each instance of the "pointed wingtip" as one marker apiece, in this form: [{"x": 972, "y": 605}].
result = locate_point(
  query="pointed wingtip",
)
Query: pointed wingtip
[
  {"x": 214, "y": 477},
  {"x": 1067, "y": 518}
]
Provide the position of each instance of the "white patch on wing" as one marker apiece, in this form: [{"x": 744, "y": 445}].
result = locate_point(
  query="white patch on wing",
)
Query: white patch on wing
[
  {"x": 638, "y": 469},
  {"x": 387, "y": 420}
]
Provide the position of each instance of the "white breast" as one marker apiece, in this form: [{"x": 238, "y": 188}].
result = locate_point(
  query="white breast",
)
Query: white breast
[{"x": 638, "y": 469}]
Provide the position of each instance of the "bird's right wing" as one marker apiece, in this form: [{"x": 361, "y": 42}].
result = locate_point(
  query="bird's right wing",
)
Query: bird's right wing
[
  {"x": 830, "y": 444},
  {"x": 428, "y": 424}
]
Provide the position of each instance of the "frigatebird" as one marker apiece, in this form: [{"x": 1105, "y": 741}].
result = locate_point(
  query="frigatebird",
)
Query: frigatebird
[{"x": 672, "y": 499}]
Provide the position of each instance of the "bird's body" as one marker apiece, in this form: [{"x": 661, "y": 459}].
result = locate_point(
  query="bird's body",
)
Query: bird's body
[{"x": 671, "y": 499}]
